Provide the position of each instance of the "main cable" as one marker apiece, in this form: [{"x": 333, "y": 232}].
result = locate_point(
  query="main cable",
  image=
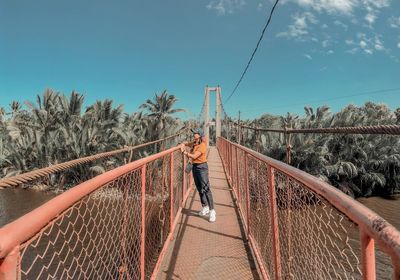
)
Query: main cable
[{"x": 254, "y": 52}]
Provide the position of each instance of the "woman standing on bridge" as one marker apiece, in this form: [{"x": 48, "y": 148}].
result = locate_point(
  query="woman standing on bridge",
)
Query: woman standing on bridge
[{"x": 198, "y": 155}]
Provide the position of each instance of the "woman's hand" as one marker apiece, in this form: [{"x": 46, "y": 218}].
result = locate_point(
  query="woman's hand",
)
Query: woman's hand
[{"x": 182, "y": 146}]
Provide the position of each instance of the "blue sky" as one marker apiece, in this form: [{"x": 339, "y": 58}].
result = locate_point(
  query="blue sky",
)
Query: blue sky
[{"x": 313, "y": 50}]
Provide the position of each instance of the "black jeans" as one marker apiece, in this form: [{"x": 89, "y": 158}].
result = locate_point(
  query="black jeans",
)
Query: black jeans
[{"x": 200, "y": 176}]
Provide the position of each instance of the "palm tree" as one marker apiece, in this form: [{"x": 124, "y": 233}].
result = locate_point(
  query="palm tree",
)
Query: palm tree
[
  {"x": 397, "y": 114},
  {"x": 160, "y": 111},
  {"x": 360, "y": 165},
  {"x": 2, "y": 114},
  {"x": 15, "y": 107}
]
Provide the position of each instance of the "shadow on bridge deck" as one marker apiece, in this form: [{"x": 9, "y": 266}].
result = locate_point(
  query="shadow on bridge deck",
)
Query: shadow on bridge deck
[{"x": 204, "y": 250}]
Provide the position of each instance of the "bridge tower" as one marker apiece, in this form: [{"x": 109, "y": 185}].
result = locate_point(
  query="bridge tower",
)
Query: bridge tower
[{"x": 207, "y": 122}]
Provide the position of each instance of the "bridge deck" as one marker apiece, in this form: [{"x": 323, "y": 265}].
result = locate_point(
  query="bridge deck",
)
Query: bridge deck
[{"x": 203, "y": 250}]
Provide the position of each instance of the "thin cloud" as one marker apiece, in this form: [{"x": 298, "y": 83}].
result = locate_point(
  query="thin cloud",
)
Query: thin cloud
[
  {"x": 347, "y": 14},
  {"x": 368, "y": 45},
  {"x": 376, "y": 3},
  {"x": 339, "y": 23},
  {"x": 223, "y": 7},
  {"x": 329, "y": 6},
  {"x": 353, "y": 51},
  {"x": 373, "y": 8},
  {"x": 346, "y": 8},
  {"x": 363, "y": 44},
  {"x": 394, "y": 22},
  {"x": 370, "y": 18},
  {"x": 308, "y": 56},
  {"x": 379, "y": 44},
  {"x": 300, "y": 25},
  {"x": 325, "y": 43}
]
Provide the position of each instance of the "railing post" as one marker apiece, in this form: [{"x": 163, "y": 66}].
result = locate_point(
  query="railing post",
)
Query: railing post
[
  {"x": 237, "y": 176},
  {"x": 143, "y": 218},
  {"x": 9, "y": 268},
  {"x": 226, "y": 144},
  {"x": 257, "y": 139},
  {"x": 275, "y": 226},
  {"x": 184, "y": 179},
  {"x": 171, "y": 192},
  {"x": 367, "y": 256},
  {"x": 288, "y": 140},
  {"x": 227, "y": 157},
  {"x": 130, "y": 155},
  {"x": 123, "y": 235},
  {"x": 190, "y": 180},
  {"x": 396, "y": 269},
  {"x": 230, "y": 163},
  {"x": 246, "y": 178}
]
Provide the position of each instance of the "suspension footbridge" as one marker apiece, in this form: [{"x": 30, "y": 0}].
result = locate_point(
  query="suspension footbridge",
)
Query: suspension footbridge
[{"x": 139, "y": 220}]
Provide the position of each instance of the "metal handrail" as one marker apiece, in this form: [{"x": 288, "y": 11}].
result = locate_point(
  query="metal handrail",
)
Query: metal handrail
[
  {"x": 23, "y": 230},
  {"x": 391, "y": 129},
  {"x": 371, "y": 224},
  {"x": 35, "y": 174}
]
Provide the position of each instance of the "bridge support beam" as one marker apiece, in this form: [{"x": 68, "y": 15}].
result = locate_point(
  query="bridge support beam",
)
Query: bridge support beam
[
  {"x": 206, "y": 128},
  {"x": 218, "y": 112}
]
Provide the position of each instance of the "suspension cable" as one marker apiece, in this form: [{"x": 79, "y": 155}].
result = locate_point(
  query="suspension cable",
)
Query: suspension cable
[
  {"x": 254, "y": 52},
  {"x": 371, "y": 129},
  {"x": 32, "y": 175},
  {"x": 201, "y": 111}
]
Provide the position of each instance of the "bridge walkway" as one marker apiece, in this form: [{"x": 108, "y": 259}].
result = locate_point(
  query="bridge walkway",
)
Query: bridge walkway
[{"x": 204, "y": 250}]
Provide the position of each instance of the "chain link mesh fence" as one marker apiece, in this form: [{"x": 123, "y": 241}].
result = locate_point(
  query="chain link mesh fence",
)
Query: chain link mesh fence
[
  {"x": 299, "y": 234},
  {"x": 93, "y": 239},
  {"x": 108, "y": 232}
]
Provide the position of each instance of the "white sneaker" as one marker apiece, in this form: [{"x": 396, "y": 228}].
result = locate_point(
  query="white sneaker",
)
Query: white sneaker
[
  {"x": 204, "y": 211},
  {"x": 213, "y": 216}
]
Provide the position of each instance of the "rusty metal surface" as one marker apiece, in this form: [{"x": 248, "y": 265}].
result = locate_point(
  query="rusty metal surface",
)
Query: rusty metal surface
[
  {"x": 113, "y": 226},
  {"x": 204, "y": 250},
  {"x": 119, "y": 224},
  {"x": 319, "y": 226}
]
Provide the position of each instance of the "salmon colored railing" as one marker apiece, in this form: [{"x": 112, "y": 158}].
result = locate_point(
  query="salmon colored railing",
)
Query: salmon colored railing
[
  {"x": 300, "y": 227},
  {"x": 114, "y": 226},
  {"x": 128, "y": 154}
]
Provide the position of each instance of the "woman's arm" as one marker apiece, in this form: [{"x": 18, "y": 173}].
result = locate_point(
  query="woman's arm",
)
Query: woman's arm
[
  {"x": 192, "y": 156},
  {"x": 188, "y": 144}
]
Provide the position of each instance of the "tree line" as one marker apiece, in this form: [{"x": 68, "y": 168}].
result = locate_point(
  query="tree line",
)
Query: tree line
[
  {"x": 57, "y": 128},
  {"x": 359, "y": 165}
]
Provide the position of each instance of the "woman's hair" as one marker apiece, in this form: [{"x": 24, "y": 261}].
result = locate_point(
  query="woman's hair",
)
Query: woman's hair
[{"x": 201, "y": 140}]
